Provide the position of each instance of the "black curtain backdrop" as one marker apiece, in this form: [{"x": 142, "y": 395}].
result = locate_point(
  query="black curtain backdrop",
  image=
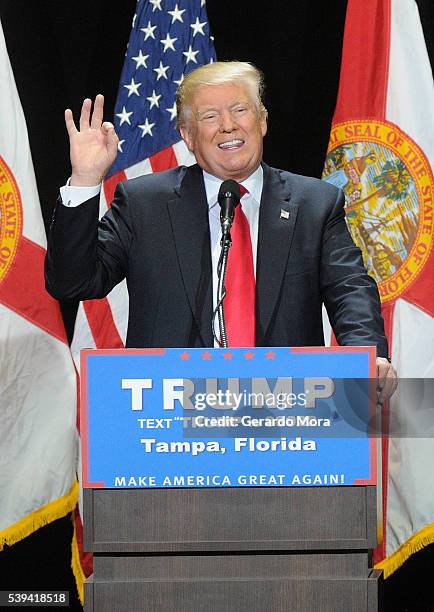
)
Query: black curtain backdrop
[{"x": 63, "y": 51}]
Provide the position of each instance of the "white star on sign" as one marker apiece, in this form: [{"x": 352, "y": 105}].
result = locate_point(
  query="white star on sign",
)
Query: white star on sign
[
  {"x": 190, "y": 55},
  {"x": 172, "y": 111},
  {"x": 198, "y": 27},
  {"x": 149, "y": 31},
  {"x": 124, "y": 116},
  {"x": 177, "y": 14},
  {"x": 161, "y": 71},
  {"x": 133, "y": 88},
  {"x": 120, "y": 143},
  {"x": 146, "y": 128},
  {"x": 154, "y": 99},
  {"x": 156, "y": 4},
  {"x": 168, "y": 43},
  {"x": 140, "y": 59}
]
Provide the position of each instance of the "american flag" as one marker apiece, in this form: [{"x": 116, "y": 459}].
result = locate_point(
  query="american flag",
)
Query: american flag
[{"x": 168, "y": 40}]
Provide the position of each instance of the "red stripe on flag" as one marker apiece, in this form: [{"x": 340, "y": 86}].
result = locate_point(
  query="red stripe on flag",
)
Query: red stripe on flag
[
  {"x": 163, "y": 160},
  {"x": 102, "y": 325},
  {"x": 86, "y": 558},
  {"x": 23, "y": 290},
  {"x": 110, "y": 186},
  {"x": 363, "y": 79},
  {"x": 380, "y": 552},
  {"x": 77, "y": 378},
  {"x": 421, "y": 292}
]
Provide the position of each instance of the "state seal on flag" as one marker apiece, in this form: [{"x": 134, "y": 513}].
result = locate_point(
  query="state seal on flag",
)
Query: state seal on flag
[
  {"x": 388, "y": 185},
  {"x": 11, "y": 218}
]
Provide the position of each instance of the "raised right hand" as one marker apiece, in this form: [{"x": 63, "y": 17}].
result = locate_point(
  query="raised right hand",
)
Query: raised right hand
[{"x": 94, "y": 147}]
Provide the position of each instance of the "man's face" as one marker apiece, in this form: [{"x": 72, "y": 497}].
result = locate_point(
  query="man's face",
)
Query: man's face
[{"x": 225, "y": 131}]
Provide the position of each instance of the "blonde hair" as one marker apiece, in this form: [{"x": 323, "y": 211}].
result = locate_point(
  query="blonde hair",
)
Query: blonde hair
[{"x": 219, "y": 73}]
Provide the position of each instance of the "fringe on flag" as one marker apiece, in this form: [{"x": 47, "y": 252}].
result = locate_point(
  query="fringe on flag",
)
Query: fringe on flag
[
  {"x": 52, "y": 511},
  {"x": 77, "y": 570},
  {"x": 420, "y": 539}
]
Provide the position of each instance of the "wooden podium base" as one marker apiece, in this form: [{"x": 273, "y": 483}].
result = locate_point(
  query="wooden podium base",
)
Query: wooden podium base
[{"x": 232, "y": 549}]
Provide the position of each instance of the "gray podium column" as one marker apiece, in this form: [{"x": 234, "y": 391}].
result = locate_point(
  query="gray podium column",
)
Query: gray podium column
[{"x": 259, "y": 549}]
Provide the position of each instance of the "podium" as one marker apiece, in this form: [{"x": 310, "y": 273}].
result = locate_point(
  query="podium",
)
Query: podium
[{"x": 222, "y": 548}]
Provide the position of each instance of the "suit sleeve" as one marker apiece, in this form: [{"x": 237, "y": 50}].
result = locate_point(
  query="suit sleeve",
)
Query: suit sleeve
[
  {"x": 85, "y": 257},
  {"x": 349, "y": 293}
]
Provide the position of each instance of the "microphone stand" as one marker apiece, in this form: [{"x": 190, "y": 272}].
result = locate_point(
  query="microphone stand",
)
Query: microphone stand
[
  {"x": 228, "y": 198},
  {"x": 225, "y": 244}
]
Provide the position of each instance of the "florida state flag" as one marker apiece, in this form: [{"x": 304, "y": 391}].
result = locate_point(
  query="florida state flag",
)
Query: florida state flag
[
  {"x": 38, "y": 436},
  {"x": 381, "y": 153}
]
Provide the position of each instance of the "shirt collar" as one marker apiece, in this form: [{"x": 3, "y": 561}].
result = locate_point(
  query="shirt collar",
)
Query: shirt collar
[{"x": 253, "y": 184}]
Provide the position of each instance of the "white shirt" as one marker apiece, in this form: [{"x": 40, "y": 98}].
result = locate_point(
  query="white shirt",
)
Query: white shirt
[
  {"x": 250, "y": 203},
  {"x": 74, "y": 196}
]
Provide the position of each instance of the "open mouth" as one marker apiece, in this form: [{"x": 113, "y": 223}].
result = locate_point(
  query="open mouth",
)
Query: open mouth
[{"x": 235, "y": 143}]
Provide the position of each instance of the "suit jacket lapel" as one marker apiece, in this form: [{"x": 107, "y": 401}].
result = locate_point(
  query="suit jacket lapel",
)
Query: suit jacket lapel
[
  {"x": 277, "y": 219},
  {"x": 190, "y": 226}
]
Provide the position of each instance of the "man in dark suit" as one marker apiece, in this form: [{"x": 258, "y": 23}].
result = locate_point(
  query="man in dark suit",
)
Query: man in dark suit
[{"x": 163, "y": 238}]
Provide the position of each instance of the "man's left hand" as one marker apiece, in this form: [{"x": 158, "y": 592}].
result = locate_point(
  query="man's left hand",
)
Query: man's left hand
[{"x": 387, "y": 379}]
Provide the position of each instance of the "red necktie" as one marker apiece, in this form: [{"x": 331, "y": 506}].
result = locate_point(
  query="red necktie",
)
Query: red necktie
[{"x": 239, "y": 303}]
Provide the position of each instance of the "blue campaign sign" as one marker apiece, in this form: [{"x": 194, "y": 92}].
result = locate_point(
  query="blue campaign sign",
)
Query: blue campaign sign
[{"x": 220, "y": 417}]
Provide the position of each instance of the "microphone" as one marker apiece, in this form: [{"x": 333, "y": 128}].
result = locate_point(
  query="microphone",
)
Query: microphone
[{"x": 228, "y": 198}]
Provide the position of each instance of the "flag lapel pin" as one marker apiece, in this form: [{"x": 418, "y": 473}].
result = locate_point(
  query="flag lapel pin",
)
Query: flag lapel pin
[{"x": 284, "y": 214}]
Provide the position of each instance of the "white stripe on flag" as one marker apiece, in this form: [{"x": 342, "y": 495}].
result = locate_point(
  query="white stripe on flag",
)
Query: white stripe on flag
[
  {"x": 410, "y": 93},
  {"x": 410, "y": 502},
  {"x": 410, "y": 105},
  {"x": 183, "y": 155},
  {"x": 139, "y": 169},
  {"x": 118, "y": 300},
  {"x": 103, "y": 207},
  {"x": 83, "y": 337}
]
